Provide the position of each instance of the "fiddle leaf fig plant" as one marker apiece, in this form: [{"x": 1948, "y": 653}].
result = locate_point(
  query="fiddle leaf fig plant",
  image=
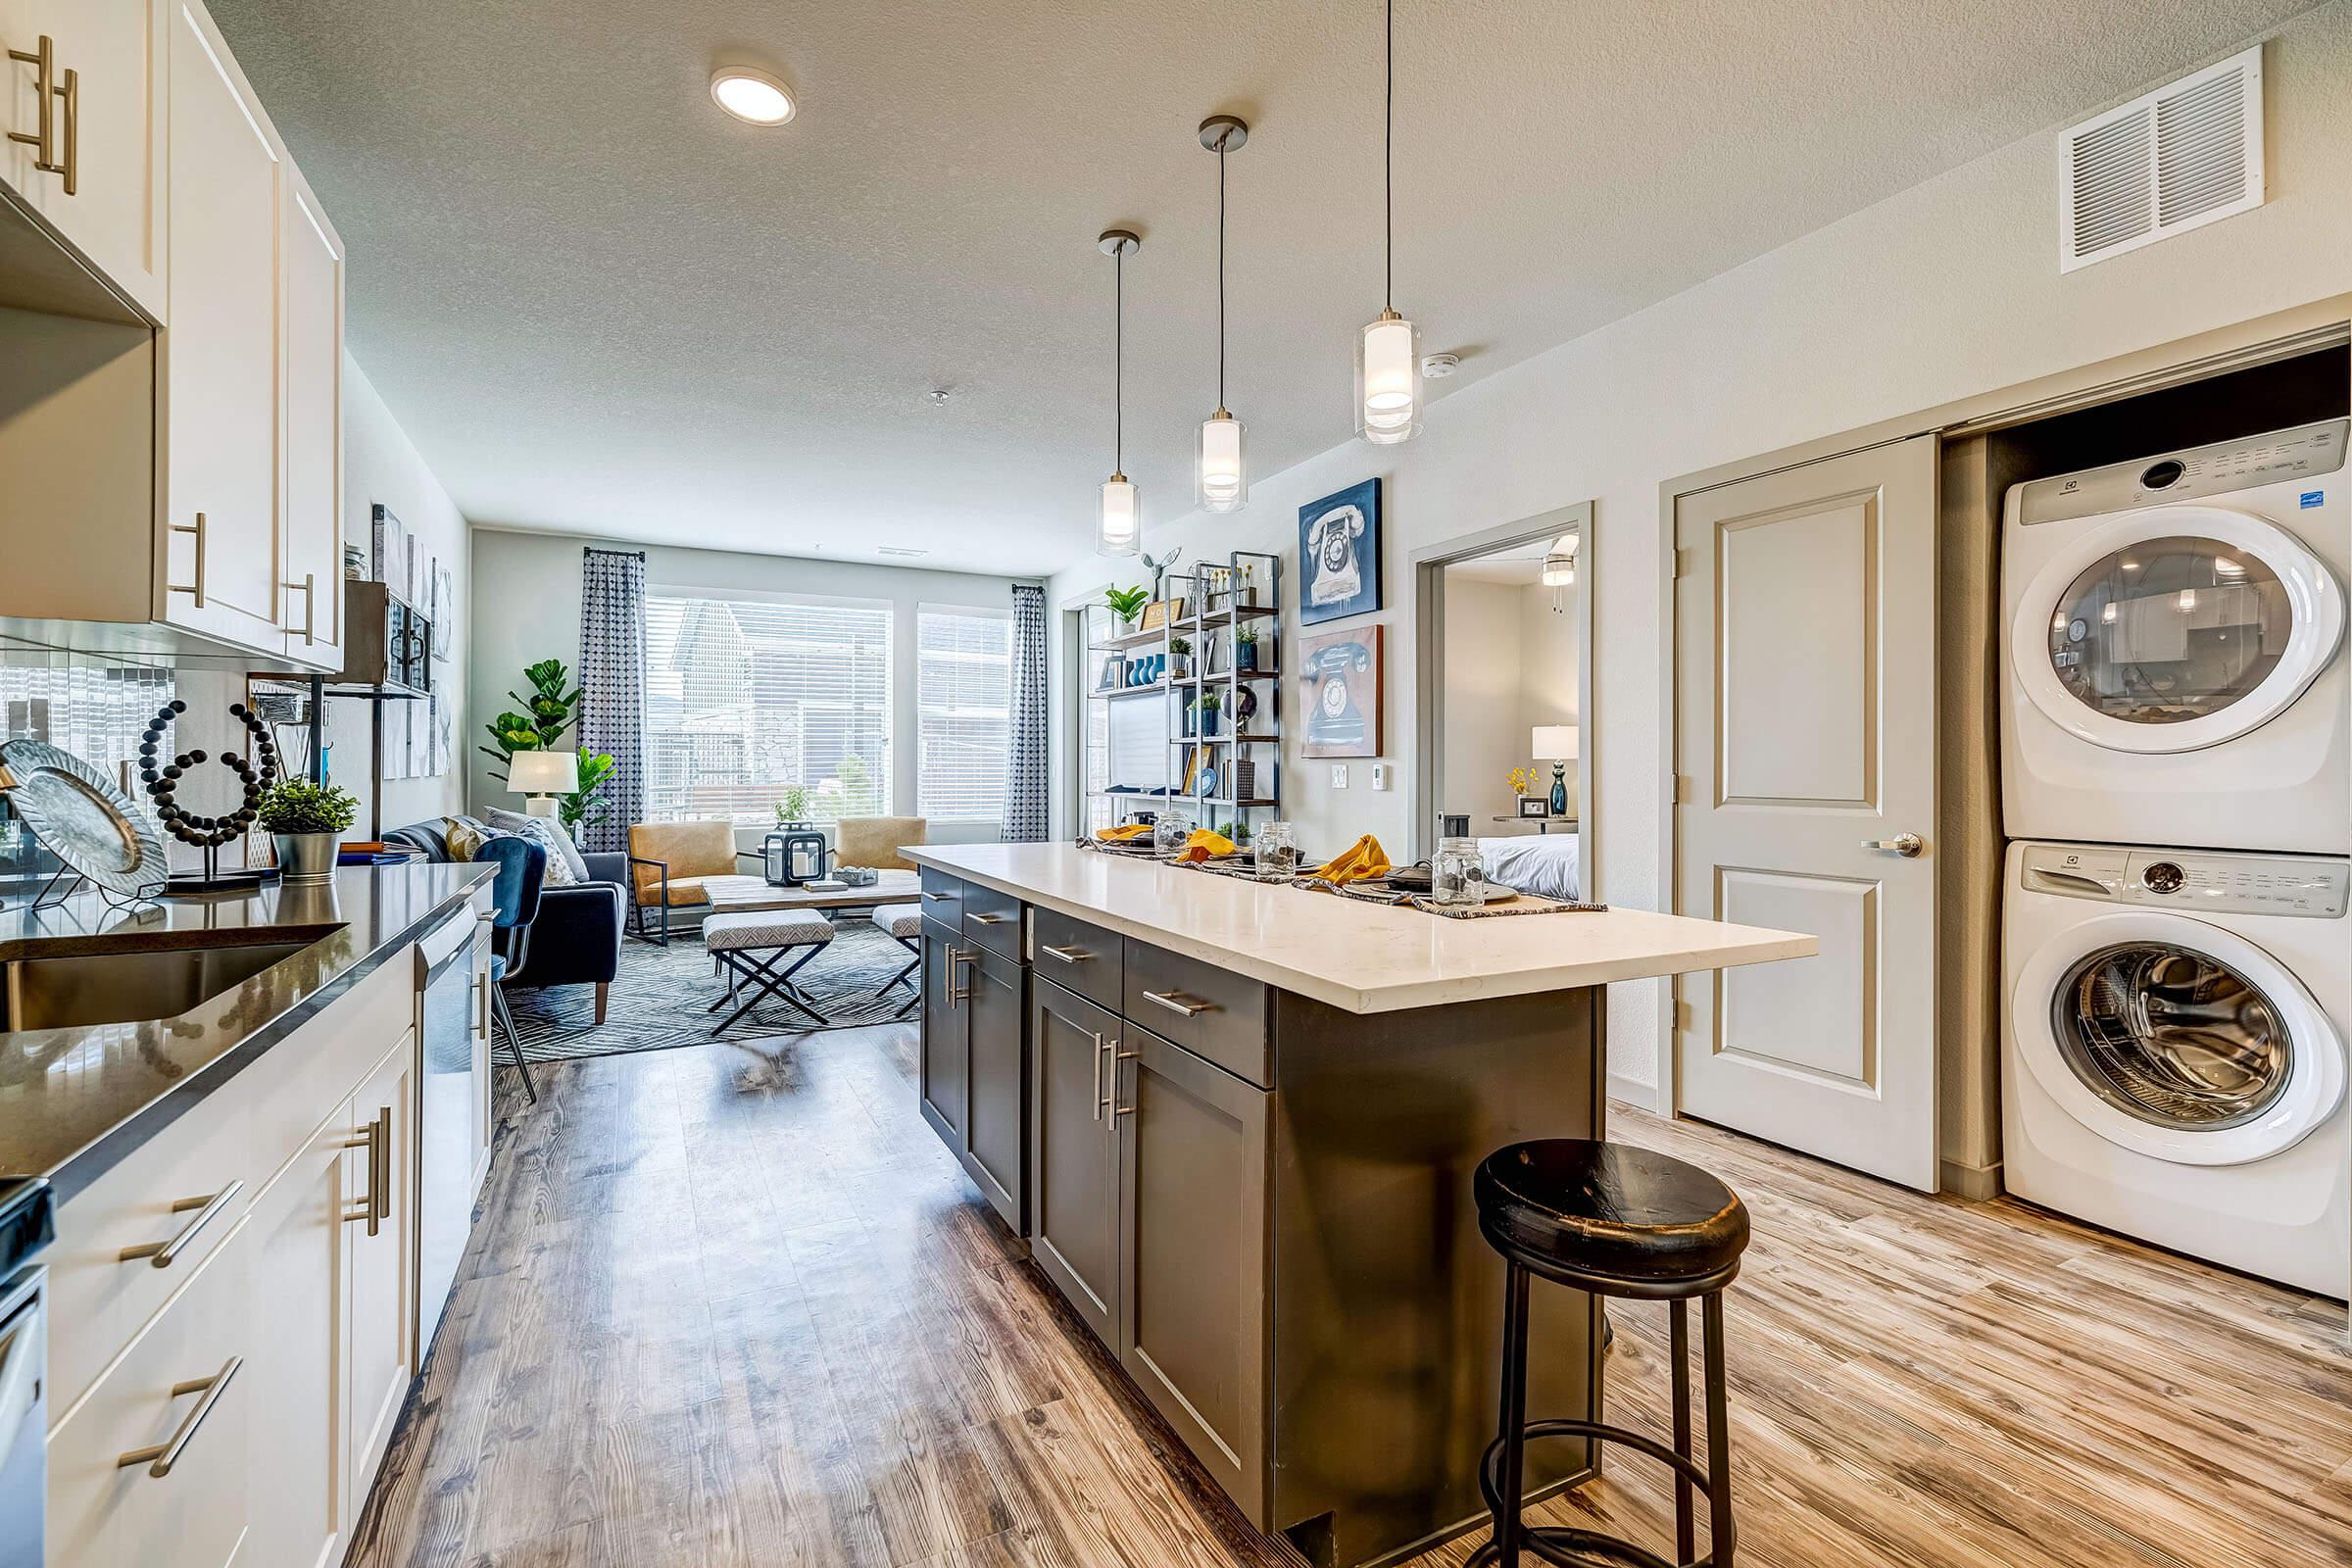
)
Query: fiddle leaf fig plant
[
  {"x": 1127, "y": 603},
  {"x": 579, "y": 808},
  {"x": 547, "y": 715}
]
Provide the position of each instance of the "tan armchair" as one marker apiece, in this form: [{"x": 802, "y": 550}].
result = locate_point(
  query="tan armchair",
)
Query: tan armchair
[
  {"x": 669, "y": 863},
  {"x": 875, "y": 841}
]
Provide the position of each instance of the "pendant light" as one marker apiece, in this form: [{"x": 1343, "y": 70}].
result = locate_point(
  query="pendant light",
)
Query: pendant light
[
  {"x": 1221, "y": 479},
  {"x": 1387, "y": 352},
  {"x": 1123, "y": 524}
]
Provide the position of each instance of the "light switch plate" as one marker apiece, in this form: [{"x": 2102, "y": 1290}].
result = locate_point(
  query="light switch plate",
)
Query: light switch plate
[
  {"x": 1339, "y": 775},
  {"x": 1380, "y": 775}
]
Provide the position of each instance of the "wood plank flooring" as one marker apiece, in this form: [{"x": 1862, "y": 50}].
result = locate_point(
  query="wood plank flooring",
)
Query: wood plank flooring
[{"x": 734, "y": 1305}]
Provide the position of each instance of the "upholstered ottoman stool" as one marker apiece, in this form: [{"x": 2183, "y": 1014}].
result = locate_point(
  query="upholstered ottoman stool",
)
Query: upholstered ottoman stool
[{"x": 751, "y": 945}]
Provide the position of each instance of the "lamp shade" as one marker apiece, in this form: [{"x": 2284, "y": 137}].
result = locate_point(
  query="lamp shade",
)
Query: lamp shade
[
  {"x": 1122, "y": 530},
  {"x": 1554, "y": 743},
  {"x": 544, "y": 773}
]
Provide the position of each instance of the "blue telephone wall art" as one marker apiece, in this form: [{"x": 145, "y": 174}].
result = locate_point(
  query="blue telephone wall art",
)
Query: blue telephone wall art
[
  {"x": 1343, "y": 697},
  {"x": 1338, "y": 554}
]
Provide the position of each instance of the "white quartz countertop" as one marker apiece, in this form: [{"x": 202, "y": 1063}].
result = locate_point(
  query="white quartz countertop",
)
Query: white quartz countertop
[{"x": 1364, "y": 957}]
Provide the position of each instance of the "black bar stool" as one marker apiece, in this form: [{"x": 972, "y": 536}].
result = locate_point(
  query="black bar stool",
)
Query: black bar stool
[{"x": 1613, "y": 1220}]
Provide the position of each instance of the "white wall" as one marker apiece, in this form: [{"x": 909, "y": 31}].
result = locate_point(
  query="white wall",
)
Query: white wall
[
  {"x": 1945, "y": 291},
  {"x": 529, "y": 609}
]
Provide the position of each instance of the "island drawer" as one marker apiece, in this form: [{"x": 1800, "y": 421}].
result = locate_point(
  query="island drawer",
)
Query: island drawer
[
  {"x": 1213, "y": 1013},
  {"x": 943, "y": 898},
  {"x": 1080, "y": 957},
  {"x": 993, "y": 919}
]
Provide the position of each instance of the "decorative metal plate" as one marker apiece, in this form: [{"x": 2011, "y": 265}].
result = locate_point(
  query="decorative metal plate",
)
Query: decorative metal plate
[{"x": 83, "y": 819}]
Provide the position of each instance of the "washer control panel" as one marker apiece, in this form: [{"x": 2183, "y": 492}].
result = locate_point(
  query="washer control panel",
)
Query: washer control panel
[
  {"x": 2307, "y": 454},
  {"x": 2195, "y": 881}
]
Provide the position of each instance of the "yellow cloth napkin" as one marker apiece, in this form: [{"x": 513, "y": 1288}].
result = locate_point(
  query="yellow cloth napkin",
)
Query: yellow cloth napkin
[
  {"x": 1120, "y": 835},
  {"x": 1359, "y": 862},
  {"x": 1205, "y": 842}
]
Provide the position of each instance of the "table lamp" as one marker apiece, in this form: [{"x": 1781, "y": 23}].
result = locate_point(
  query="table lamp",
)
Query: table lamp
[
  {"x": 1558, "y": 743},
  {"x": 542, "y": 777}
]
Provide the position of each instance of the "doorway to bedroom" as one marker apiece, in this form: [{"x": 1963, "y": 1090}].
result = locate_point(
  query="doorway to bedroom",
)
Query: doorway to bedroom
[{"x": 1504, "y": 631}]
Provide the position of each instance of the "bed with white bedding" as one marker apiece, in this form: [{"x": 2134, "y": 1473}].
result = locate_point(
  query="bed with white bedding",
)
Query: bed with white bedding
[{"x": 1541, "y": 863}]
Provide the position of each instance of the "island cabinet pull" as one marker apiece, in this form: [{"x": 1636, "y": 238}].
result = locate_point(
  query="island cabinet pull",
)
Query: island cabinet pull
[
  {"x": 376, "y": 1139},
  {"x": 1174, "y": 1002},
  {"x": 164, "y": 1253},
  {"x": 196, "y": 529},
  {"x": 1065, "y": 955},
  {"x": 937, "y": 898},
  {"x": 1100, "y": 1099},
  {"x": 990, "y": 919},
  {"x": 960, "y": 955},
  {"x": 159, "y": 1458}
]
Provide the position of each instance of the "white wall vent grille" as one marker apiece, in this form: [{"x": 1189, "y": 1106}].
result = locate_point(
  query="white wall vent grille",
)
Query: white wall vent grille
[{"x": 2168, "y": 161}]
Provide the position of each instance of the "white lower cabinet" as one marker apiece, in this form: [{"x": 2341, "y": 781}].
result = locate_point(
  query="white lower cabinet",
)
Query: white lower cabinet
[{"x": 306, "y": 1300}]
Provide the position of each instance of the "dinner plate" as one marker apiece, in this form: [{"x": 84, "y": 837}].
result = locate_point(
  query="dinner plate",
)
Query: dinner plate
[{"x": 81, "y": 817}]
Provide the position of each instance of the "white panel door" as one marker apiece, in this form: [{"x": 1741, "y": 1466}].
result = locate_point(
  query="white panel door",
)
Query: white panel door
[
  {"x": 1805, "y": 741},
  {"x": 221, "y": 349},
  {"x": 313, "y": 610},
  {"x": 105, "y": 129}
]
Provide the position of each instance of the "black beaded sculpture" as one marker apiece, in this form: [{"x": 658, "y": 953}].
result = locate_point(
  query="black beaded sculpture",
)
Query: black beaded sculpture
[{"x": 208, "y": 833}]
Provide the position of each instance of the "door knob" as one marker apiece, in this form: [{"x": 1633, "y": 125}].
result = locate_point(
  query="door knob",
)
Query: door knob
[{"x": 1907, "y": 845}]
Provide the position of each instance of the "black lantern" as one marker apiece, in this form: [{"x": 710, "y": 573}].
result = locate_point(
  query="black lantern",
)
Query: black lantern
[{"x": 793, "y": 857}]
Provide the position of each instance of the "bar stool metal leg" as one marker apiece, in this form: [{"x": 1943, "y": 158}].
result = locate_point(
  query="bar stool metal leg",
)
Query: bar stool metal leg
[
  {"x": 1514, "y": 1417},
  {"x": 1719, "y": 1433},
  {"x": 1679, "y": 1342}
]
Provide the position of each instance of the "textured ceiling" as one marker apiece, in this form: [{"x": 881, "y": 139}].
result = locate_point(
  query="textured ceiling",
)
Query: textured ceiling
[{"x": 598, "y": 304}]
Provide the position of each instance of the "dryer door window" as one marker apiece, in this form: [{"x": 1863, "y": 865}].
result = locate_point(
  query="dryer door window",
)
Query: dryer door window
[
  {"x": 2170, "y": 629},
  {"x": 2175, "y": 629},
  {"x": 2172, "y": 1035}
]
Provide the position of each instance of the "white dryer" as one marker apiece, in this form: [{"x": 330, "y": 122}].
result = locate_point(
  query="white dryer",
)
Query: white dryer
[
  {"x": 2173, "y": 1061},
  {"x": 2176, "y": 670}
]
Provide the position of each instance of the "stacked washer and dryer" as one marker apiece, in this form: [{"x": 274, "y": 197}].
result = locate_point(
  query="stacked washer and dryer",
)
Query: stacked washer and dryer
[{"x": 2177, "y": 781}]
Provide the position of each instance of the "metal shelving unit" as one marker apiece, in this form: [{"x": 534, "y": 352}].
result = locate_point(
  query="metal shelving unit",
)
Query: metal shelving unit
[{"x": 1219, "y": 600}]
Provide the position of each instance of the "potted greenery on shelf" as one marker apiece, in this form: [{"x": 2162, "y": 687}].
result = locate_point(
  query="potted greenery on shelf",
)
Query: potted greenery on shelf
[
  {"x": 1127, "y": 604},
  {"x": 1212, "y": 699},
  {"x": 1244, "y": 648},
  {"x": 305, "y": 822},
  {"x": 1180, "y": 655}
]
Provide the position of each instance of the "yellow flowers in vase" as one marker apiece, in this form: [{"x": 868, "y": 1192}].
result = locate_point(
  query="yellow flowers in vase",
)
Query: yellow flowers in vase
[{"x": 1520, "y": 779}]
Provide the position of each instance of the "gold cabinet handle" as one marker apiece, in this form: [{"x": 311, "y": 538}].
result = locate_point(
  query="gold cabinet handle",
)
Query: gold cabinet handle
[
  {"x": 72, "y": 93},
  {"x": 164, "y": 1253},
  {"x": 159, "y": 1458},
  {"x": 1174, "y": 1002},
  {"x": 376, "y": 1139},
  {"x": 196, "y": 529},
  {"x": 1907, "y": 845},
  {"x": 43, "y": 60},
  {"x": 1067, "y": 955},
  {"x": 308, "y": 589}
]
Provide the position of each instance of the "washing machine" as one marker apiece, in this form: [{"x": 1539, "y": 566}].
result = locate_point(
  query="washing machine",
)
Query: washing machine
[
  {"x": 2173, "y": 1063},
  {"x": 2177, "y": 670}
]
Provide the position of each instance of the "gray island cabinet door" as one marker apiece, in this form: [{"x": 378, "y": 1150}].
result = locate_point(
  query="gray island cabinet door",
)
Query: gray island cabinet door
[
  {"x": 996, "y": 1004},
  {"x": 1194, "y": 1328},
  {"x": 1074, "y": 1197},
  {"x": 945, "y": 1058}
]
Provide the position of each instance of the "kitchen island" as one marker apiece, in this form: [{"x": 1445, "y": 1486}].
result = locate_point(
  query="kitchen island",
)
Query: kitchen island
[{"x": 1236, "y": 1122}]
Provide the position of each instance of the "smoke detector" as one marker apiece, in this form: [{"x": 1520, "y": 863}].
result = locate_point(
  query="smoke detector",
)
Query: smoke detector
[{"x": 1438, "y": 366}]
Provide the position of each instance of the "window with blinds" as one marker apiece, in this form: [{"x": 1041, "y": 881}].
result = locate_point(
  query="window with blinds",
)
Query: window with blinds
[
  {"x": 747, "y": 697},
  {"x": 964, "y": 703}
]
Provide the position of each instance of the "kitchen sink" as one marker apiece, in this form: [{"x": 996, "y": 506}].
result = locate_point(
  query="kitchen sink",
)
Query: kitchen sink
[{"x": 67, "y": 990}]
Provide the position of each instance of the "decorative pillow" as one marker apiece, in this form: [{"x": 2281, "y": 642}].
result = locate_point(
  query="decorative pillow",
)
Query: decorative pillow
[
  {"x": 565, "y": 866},
  {"x": 464, "y": 839}
]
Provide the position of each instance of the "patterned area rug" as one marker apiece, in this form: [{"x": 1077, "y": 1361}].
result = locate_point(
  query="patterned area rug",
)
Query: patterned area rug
[{"x": 663, "y": 997}]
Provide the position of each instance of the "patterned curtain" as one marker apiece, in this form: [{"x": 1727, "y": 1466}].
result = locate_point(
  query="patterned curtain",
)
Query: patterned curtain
[
  {"x": 1025, "y": 761},
  {"x": 612, "y": 685}
]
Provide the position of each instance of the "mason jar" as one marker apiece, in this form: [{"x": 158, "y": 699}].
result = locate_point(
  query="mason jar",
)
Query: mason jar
[
  {"x": 1277, "y": 853},
  {"x": 1456, "y": 879}
]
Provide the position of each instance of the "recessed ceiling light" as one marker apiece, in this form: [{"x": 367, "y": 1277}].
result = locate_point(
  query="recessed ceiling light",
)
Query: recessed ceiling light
[{"x": 751, "y": 95}]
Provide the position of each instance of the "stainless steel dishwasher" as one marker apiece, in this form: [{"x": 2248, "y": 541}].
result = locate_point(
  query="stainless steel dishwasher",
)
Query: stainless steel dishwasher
[{"x": 452, "y": 1033}]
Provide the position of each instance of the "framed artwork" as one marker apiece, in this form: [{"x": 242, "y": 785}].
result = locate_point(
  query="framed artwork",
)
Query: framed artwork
[
  {"x": 1535, "y": 806},
  {"x": 1344, "y": 694},
  {"x": 1338, "y": 554},
  {"x": 444, "y": 602},
  {"x": 389, "y": 562},
  {"x": 1160, "y": 613}
]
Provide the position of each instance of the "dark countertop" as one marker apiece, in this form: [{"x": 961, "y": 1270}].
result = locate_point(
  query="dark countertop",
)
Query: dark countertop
[{"x": 76, "y": 1102}]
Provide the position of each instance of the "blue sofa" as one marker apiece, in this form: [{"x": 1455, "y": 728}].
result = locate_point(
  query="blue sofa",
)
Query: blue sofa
[{"x": 575, "y": 941}]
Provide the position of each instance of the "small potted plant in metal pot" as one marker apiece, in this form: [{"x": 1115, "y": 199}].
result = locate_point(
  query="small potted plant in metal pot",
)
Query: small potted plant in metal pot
[
  {"x": 1180, "y": 656},
  {"x": 305, "y": 822},
  {"x": 1244, "y": 648}
]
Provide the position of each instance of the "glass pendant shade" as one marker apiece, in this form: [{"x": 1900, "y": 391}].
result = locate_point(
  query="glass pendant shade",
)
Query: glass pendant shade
[
  {"x": 1222, "y": 477},
  {"x": 1122, "y": 531},
  {"x": 1388, "y": 380}
]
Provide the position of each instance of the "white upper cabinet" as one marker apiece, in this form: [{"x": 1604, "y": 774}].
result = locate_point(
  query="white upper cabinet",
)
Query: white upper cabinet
[
  {"x": 221, "y": 351},
  {"x": 93, "y": 165},
  {"x": 311, "y": 611}
]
